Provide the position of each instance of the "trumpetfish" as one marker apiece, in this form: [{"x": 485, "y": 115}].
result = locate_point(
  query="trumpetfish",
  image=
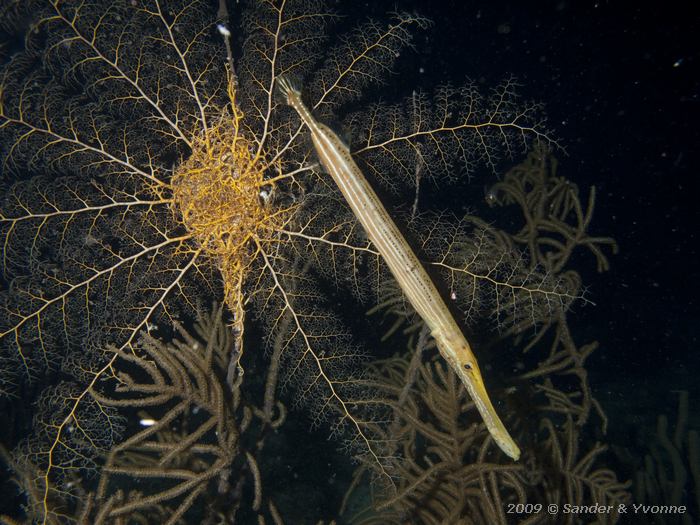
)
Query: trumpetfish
[{"x": 408, "y": 271}]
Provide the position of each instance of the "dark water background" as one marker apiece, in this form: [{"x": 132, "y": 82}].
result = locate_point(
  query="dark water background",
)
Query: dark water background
[{"x": 621, "y": 85}]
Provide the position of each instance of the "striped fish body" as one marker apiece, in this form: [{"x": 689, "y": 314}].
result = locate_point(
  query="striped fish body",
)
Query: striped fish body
[{"x": 415, "y": 282}]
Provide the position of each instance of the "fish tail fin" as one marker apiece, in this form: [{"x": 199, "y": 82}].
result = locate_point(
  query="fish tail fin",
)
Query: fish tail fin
[{"x": 287, "y": 89}]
